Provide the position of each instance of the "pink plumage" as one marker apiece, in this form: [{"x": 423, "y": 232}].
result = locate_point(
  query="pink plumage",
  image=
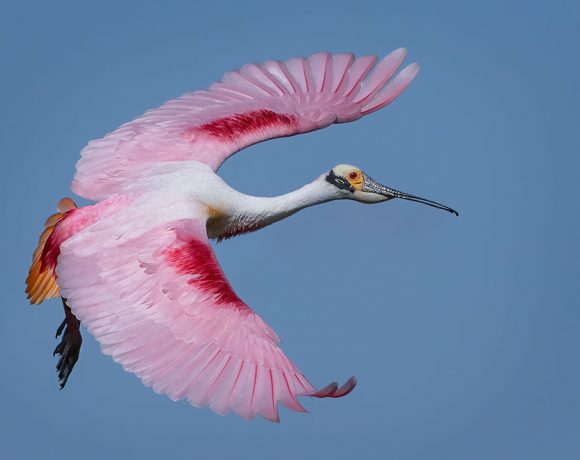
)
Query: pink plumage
[
  {"x": 162, "y": 308},
  {"x": 313, "y": 92},
  {"x": 138, "y": 269}
]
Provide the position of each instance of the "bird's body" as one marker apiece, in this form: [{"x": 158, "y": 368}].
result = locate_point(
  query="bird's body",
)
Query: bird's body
[{"x": 137, "y": 268}]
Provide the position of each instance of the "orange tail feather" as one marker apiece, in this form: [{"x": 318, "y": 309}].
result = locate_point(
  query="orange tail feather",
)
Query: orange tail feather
[{"x": 41, "y": 281}]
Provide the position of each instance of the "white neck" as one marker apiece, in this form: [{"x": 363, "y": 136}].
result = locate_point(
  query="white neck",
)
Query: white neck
[
  {"x": 248, "y": 213},
  {"x": 316, "y": 192}
]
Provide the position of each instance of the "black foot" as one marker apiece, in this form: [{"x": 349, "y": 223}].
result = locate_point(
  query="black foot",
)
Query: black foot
[{"x": 69, "y": 347}]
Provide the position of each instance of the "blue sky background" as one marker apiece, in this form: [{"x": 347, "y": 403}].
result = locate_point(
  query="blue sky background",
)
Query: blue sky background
[{"x": 463, "y": 332}]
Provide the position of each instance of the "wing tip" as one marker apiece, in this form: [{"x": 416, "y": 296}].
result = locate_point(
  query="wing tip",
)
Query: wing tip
[
  {"x": 332, "y": 390},
  {"x": 412, "y": 69},
  {"x": 402, "y": 51}
]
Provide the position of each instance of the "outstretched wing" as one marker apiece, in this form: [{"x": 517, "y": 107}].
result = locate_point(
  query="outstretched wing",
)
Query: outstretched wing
[
  {"x": 160, "y": 305},
  {"x": 255, "y": 103}
]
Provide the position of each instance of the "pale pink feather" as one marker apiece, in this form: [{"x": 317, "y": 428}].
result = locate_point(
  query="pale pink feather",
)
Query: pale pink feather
[
  {"x": 255, "y": 103},
  {"x": 160, "y": 305}
]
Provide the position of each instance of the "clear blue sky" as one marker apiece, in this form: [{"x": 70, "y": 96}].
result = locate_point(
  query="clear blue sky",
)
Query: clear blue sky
[{"x": 463, "y": 332}]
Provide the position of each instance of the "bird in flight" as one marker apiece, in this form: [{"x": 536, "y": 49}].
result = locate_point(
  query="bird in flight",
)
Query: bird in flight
[{"x": 137, "y": 268}]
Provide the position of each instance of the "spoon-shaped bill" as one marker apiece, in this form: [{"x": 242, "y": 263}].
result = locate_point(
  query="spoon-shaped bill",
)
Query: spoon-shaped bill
[{"x": 371, "y": 185}]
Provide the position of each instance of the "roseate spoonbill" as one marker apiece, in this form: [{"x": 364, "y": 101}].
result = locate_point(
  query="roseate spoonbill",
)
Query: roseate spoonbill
[{"x": 137, "y": 268}]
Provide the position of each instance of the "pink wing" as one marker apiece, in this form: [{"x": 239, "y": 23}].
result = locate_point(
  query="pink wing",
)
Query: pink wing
[
  {"x": 160, "y": 305},
  {"x": 255, "y": 103}
]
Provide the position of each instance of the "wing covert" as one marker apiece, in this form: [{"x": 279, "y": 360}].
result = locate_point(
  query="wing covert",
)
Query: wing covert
[{"x": 255, "y": 103}]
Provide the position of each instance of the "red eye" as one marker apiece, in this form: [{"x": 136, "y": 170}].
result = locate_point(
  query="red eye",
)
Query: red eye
[{"x": 353, "y": 175}]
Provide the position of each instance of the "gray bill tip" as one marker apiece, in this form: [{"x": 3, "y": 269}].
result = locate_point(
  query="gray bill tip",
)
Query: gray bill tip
[{"x": 433, "y": 204}]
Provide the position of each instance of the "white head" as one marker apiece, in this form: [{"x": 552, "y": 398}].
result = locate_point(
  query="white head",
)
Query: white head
[{"x": 356, "y": 185}]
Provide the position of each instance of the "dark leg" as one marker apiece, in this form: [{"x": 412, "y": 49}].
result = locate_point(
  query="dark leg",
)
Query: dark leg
[{"x": 70, "y": 345}]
